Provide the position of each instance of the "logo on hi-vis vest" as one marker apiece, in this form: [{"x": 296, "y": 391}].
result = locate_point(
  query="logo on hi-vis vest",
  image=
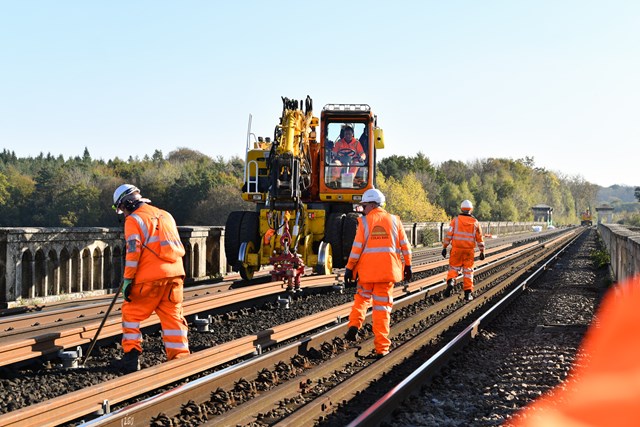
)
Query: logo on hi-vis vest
[{"x": 379, "y": 232}]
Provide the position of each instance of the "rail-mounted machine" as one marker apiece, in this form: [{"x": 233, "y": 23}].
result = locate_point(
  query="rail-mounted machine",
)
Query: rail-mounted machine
[
  {"x": 586, "y": 218},
  {"x": 305, "y": 190}
]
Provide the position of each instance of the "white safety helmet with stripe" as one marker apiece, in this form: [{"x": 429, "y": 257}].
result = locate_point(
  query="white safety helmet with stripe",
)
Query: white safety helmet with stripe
[
  {"x": 373, "y": 195},
  {"x": 121, "y": 193},
  {"x": 466, "y": 205}
]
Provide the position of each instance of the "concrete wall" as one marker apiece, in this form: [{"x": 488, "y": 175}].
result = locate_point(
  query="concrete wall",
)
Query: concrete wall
[
  {"x": 623, "y": 245},
  {"x": 44, "y": 264},
  {"x": 437, "y": 230}
]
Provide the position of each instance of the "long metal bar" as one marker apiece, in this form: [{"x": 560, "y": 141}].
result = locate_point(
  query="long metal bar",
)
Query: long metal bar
[{"x": 104, "y": 319}]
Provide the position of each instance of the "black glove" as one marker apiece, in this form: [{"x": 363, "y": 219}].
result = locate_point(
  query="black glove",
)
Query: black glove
[
  {"x": 444, "y": 252},
  {"x": 126, "y": 289},
  {"x": 348, "y": 277},
  {"x": 482, "y": 256},
  {"x": 407, "y": 272}
]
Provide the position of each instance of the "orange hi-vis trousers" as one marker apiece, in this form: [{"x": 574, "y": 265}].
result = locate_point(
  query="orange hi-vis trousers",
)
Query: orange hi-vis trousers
[
  {"x": 461, "y": 261},
  {"x": 380, "y": 297},
  {"x": 165, "y": 298}
]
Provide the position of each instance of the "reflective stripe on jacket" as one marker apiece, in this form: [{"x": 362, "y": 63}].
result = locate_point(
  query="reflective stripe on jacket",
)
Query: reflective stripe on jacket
[
  {"x": 464, "y": 233},
  {"x": 355, "y": 145},
  {"x": 141, "y": 264},
  {"x": 379, "y": 248}
]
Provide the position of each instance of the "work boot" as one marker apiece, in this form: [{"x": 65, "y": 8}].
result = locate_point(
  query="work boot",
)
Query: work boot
[
  {"x": 130, "y": 362},
  {"x": 352, "y": 334},
  {"x": 377, "y": 355},
  {"x": 468, "y": 296},
  {"x": 450, "y": 288}
]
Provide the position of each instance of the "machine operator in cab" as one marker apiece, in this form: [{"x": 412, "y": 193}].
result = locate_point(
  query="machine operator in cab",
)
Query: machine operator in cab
[{"x": 348, "y": 146}]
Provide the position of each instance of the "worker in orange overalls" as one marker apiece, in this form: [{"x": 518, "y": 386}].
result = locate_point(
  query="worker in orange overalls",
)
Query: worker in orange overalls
[
  {"x": 379, "y": 251},
  {"x": 153, "y": 277},
  {"x": 603, "y": 388},
  {"x": 464, "y": 234},
  {"x": 348, "y": 147}
]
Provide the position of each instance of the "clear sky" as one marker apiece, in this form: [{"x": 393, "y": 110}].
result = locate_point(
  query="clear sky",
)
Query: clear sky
[{"x": 557, "y": 80}]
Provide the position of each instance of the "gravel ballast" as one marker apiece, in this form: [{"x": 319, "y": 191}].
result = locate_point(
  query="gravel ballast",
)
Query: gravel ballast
[{"x": 522, "y": 354}]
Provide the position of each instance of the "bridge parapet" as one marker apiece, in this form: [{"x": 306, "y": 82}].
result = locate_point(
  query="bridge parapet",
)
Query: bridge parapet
[
  {"x": 39, "y": 264},
  {"x": 44, "y": 264},
  {"x": 623, "y": 245}
]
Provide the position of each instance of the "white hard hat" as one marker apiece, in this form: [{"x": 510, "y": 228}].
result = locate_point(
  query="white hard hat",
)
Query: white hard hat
[
  {"x": 373, "y": 195},
  {"x": 121, "y": 192},
  {"x": 466, "y": 205}
]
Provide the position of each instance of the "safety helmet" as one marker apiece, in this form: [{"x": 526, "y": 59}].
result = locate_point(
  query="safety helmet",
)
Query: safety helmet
[
  {"x": 466, "y": 205},
  {"x": 121, "y": 194},
  {"x": 373, "y": 195}
]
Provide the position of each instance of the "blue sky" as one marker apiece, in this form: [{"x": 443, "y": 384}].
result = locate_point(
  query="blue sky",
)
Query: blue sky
[{"x": 464, "y": 80}]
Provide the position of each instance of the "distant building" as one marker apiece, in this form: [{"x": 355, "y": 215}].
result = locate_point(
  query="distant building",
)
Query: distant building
[
  {"x": 543, "y": 213},
  {"x": 605, "y": 214}
]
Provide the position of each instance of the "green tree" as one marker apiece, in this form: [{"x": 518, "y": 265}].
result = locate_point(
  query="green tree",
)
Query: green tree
[
  {"x": 15, "y": 208},
  {"x": 454, "y": 171},
  {"x": 506, "y": 211},
  {"x": 483, "y": 211},
  {"x": 4, "y": 189},
  {"x": 452, "y": 197},
  {"x": 408, "y": 199},
  {"x": 219, "y": 203}
]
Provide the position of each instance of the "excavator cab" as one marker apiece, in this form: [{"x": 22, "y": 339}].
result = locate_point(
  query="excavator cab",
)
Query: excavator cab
[
  {"x": 348, "y": 165},
  {"x": 346, "y": 156}
]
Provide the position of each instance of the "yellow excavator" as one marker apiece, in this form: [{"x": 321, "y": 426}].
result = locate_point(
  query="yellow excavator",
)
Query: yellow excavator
[
  {"x": 586, "y": 219},
  {"x": 306, "y": 190}
]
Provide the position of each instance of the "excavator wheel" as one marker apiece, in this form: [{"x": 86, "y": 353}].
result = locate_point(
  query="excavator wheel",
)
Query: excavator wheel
[
  {"x": 349, "y": 228},
  {"x": 249, "y": 236},
  {"x": 232, "y": 237},
  {"x": 333, "y": 236},
  {"x": 246, "y": 271},
  {"x": 250, "y": 228},
  {"x": 325, "y": 259}
]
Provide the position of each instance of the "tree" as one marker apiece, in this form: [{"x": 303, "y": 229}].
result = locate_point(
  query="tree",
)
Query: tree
[
  {"x": 157, "y": 157},
  {"x": 452, "y": 197},
  {"x": 4, "y": 192},
  {"x": 219, "y": 203},
  {"x": 408, "y": 199},
  {"x": 506, "y": 211},
  {"x": 454, "y": 171},
  {"x": 637, "y": 193},
  {"x": 15, "y": 209},
  {"x": 483, "y": 211}
]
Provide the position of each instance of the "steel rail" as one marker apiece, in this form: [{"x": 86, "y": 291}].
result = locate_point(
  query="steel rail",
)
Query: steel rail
[
  {"x": 27, "y": 344},
  {"x": 394, "y": 397},
  {"x": 329, "y": 401},
  {"x": 141, "y": 412},
  {"x": 227, "y": 352}
]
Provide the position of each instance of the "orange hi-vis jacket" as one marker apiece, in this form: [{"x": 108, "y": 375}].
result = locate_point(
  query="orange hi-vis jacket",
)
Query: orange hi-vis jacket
[
  {"x": 141, "y": 264},
  {"x": 344, "y": 145},
  {"x": 379, "y": 248},
  {"x": 464, "y": 233}
]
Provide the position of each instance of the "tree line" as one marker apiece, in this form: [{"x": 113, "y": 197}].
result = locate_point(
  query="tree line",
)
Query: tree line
[{"x": 50, "y": 191}]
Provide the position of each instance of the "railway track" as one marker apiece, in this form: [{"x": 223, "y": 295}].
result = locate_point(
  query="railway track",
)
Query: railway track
[
  {"x": 47, "y": 330},
  {"x": 293, "y": 357}
]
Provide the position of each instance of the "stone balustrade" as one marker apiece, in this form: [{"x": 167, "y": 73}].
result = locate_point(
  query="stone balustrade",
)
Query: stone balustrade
[
  {"x": 44, "y": 264},
  {"x": 623, "y": 245}
]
